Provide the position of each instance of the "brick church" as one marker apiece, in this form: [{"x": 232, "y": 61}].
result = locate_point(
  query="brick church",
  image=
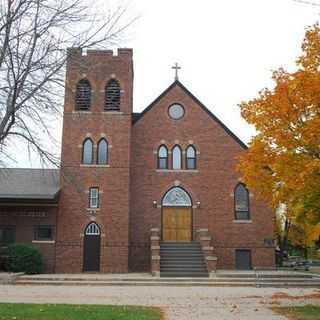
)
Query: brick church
[{"x": 135, "y": 189}]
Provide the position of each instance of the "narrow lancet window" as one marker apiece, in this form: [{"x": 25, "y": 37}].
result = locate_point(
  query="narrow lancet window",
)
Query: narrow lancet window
[
  {"x": 83, "y": 95},
  {"x": 176, "y": 158},
  {"x": 102, "y": 152},
  {"x": 241, "y": 201},
  {"x": 112, "y": 96}
]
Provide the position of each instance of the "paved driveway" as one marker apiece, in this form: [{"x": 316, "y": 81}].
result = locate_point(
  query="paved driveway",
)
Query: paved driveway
[{"x": 183, "y": 303}]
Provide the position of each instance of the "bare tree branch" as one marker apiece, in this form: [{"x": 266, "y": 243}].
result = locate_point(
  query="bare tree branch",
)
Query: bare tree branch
[
  {"x": 34, "y": 35},
  {"x": 310, "y": 3}
]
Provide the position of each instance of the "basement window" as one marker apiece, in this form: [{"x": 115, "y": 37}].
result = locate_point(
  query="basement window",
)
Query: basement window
[{"x": 43, "y": 233}]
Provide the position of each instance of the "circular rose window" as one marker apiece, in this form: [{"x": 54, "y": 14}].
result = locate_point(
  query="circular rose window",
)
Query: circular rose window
[{"x": 176, "y": 111}]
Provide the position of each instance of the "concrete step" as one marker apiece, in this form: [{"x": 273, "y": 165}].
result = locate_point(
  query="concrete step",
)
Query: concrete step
[
  {"x": 200, "y": 282},
  {"x": 315, "y": 284},
  {"x": 169, "y": 279},
  {"x": 184, "y": 270},
  {"x": 124, "y": 280},
  {"x": 179, "y": 243},
  {"x": 182, "y": 258},
  {"x": 183, "y": 265},
  {"x": 287, "y": 280},
  {"x": 236, "y": 275},
  {"x": 166, "y": 282},
  {"x": 181, "y": 255},
  {"x": 179, "y": 248},
  {"x": 176, "y": 274},
  {"x": 180, "y": 252},
  {"x": 275, "y": 280},
  {"x": 289, "y": 275}
]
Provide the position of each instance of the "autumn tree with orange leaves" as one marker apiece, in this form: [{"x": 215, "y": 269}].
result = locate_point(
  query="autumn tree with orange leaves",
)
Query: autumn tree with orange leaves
[{"x": 282, "y": 164}]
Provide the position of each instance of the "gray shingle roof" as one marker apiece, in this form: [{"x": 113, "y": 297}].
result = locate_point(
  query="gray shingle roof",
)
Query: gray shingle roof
[{"x": 29, "y": 183}]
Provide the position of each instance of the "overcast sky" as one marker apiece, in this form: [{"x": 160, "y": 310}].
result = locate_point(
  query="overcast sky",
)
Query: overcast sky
[{"x": 226, "y": 49}]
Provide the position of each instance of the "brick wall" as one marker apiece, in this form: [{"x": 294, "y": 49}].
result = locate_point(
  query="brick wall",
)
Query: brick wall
[
  {"x": 212, "y": 184},
  {"x": 113, "y": 180},
  {"x": 24, "y": 219}
]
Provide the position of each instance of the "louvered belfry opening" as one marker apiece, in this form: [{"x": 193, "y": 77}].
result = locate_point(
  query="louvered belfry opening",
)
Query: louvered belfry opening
[
  {"x": 112, "y": 98},
  {"x": 83, "y": 95}
]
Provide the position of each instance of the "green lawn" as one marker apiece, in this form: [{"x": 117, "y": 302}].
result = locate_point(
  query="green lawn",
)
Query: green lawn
[
  {"x": 12, "y": 311},
  {"x": 300, "y": 313}
]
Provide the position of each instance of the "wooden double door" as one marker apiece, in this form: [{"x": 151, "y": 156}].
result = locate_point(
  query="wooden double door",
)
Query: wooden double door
[{"x": 176, "y": 223}]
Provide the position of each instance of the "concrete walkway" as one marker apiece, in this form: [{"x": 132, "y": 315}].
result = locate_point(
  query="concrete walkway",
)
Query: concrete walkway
[
  {"x": 9, "y": 277},
  {"x": 178, "y": 303}
]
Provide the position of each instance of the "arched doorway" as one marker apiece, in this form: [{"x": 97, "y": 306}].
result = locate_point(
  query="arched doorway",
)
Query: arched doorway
[
  {"x": 176, "y": 215},
  {"x": 91, "y": 248}
]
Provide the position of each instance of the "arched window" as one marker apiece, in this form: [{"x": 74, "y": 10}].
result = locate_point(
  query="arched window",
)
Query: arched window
[
  {"x": 102, "y": 152},
  {"x": 92, "y": 229},
  {"x": 176, "y": 158},
  {"x": 176, "y": 197},
  {"x": 162, "y": 157},
  {"x": 87, "y": 151},
  {"x": 241, "y": 202},
  {"x": 83, "y": 95},
  {"x": 191, "y": 161},
  {"x": 112, "y": 96}
]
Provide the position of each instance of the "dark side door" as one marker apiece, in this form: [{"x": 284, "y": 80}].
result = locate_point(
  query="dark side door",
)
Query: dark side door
[
  {"x": 243, "y": 259},
  {"x": 91, "y": 253}
]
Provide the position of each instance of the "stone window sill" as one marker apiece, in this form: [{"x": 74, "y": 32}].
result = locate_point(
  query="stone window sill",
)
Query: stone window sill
[
  {"x": 242, "y": 221},
  {"x": 44, "y": 241},
  {"x": 95, "y": 165},
  {"x": 81, "y": 112},
  {"x": 93, "y": 209},
  {"x": 177, "y": 171},
  {"x": 113, "y": 112}
]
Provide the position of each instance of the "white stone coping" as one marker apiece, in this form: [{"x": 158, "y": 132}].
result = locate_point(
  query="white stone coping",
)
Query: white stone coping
[
  {"x": 242, "y": 221},
  {"x": 155, "y": 238},
  {"x": 202, "y": 230},
  {"x": 211, "y": 258},
  {"x": 113, "y": 112},
  {"x": 44, "y": 241},
  {"x": 81, "y": 112},
  {"x": 95, "y": 165},
  {"x": 207, "y": 248},
  {"x": 155, "y": 230},
  {"x": 205, "y": 238},
  {"x": 156, "y": 274},
  {"x": 155, "y": 257},
  {"x": 155, "y": 247}
]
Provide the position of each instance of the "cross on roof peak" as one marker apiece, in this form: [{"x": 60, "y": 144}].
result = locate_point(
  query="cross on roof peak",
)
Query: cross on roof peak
[{"x": 176, "y": 67}]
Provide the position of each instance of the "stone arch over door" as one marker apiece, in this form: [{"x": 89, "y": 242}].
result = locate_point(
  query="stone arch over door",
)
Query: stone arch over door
[
  {"x": 176, "y": 215},
  {"x": 91, "y": 248}
]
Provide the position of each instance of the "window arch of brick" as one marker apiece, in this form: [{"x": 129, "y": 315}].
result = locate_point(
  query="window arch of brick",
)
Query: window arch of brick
[
  {"x": 191, "y": 157},
  {"x": 83, "y": 95},
  {"x": 176, "y": 158},
  {"x": 112, "y": 96},
  {"x": 163, "y": 157},
  {"x": 102, "y": 151},
  {"x": 241, "y": 202},
  {"x": 87, "y": 151}
]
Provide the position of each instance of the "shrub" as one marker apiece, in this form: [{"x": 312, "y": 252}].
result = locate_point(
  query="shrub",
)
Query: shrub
[{"x": 24, "y": 258}]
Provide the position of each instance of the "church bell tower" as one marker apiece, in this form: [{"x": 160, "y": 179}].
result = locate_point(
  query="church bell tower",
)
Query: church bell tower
[{"x": 93, "y": 221}]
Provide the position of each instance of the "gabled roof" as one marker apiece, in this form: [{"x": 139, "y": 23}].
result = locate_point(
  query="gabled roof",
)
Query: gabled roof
[
  {"x": 29, "y": 184},
  {"x": 138, "y": 116}
]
